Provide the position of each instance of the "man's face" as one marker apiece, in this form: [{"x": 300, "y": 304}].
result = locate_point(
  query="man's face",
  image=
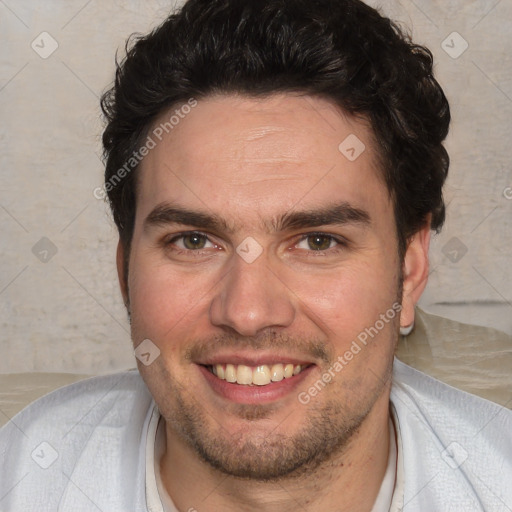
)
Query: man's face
[{"x": 257, "y": 245}]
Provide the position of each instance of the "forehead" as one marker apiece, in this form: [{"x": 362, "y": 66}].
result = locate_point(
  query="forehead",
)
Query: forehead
[{"x": 259, "y": 155}]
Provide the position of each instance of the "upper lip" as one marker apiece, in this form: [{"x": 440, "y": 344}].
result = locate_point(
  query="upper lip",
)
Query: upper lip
[{"x": 252, "y": 359}]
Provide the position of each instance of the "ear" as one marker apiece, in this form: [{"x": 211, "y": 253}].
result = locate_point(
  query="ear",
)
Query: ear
[
  {"x": 415, "y": 273},
  {"x": 121, "y": 272}
]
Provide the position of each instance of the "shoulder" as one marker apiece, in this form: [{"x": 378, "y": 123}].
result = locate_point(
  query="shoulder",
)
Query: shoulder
[
  {"x": 94, "y": 423},
  {"x": 455, "y": 445},
  {"x": 75, "y": 401},
  {"x": 413, "y": 391}
]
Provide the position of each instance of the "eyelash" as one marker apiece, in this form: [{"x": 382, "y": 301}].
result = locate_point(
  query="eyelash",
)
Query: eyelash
[
  {"x": 341, "y": 243},
  {"x": 179, "y": 236}
]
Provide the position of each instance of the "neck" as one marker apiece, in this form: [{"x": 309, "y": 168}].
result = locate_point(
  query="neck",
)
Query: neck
[{"x": 348, "y": 481}]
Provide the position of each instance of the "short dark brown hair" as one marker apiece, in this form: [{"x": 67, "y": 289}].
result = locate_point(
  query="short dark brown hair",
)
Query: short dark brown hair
[{"x": 341, "y": 50}]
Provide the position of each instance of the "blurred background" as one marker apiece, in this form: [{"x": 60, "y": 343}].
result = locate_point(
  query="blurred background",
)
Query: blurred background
[{"x": 60, "y": 307}]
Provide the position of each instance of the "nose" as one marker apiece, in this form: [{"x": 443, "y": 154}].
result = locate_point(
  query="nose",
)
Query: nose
[{"x": 252, "y": 298}]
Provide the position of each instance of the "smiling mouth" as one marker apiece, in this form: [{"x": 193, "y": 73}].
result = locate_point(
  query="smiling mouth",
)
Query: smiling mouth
[{"x": 261, "y": 375}]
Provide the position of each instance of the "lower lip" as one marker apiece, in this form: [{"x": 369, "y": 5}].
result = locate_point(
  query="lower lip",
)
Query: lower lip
[{"x": 245, "y": 394}]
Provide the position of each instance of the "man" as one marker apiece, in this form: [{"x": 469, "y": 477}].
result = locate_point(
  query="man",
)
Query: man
[{"x": 275, "y": 169}]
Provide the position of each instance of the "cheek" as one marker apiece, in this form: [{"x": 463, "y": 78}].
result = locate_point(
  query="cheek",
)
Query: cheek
[
  {"x": 356, "y": 313},
  {"x": 349, "y": 298},
  {"x": 161, "y": 301}
]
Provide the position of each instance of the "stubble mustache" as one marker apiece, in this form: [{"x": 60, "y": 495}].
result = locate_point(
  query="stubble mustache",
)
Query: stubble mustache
[{"x": 269, "y": 341}]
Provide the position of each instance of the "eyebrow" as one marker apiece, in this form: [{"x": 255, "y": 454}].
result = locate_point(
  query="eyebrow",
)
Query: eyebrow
[{"x": 337, "y": 214}]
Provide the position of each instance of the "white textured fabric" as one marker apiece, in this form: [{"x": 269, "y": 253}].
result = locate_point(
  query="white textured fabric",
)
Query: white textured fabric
[{"x": 92, "y": 438}]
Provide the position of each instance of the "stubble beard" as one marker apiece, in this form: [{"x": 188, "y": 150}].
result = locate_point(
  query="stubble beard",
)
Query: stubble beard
[{"x": 274, "y": 456}]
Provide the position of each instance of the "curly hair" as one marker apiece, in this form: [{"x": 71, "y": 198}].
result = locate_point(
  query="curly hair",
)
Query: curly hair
[{"x": 340, "y": 50}]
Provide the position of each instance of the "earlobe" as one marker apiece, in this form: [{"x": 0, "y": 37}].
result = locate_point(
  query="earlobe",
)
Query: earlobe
[
  {"x": 415, "y": 273},
  {"x": 121, "y": 272}
]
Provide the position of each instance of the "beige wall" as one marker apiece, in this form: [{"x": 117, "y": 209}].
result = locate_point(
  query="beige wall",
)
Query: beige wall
[{"x": 65, "y": 314}]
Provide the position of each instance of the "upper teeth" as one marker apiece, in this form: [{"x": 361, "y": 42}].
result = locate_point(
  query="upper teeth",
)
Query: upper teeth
[{"x": 259, "y": 375}]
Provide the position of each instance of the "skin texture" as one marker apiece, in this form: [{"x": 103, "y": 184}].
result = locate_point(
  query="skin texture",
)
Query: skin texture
[{"x": 250, "y": 162}]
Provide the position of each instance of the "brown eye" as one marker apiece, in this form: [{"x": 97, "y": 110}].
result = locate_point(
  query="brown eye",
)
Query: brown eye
[
  {"x": 319, "y": 242},
  {"x": 194, "y": 241},
  {"x": 191, "y": 241}
]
